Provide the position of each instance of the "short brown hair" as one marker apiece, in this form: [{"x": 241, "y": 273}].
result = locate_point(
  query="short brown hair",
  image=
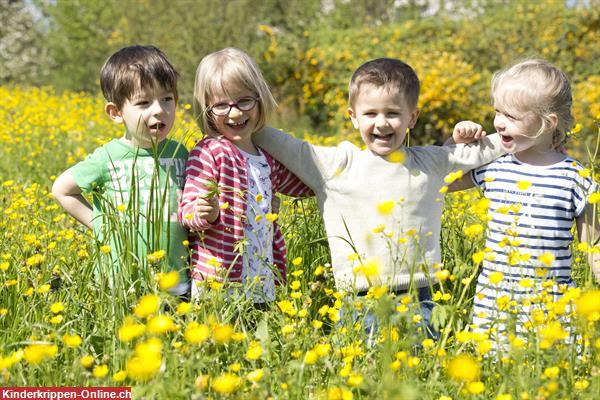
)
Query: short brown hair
[
  {"x": 133, "y": 68},
  {"x": 386, "y": 72}
]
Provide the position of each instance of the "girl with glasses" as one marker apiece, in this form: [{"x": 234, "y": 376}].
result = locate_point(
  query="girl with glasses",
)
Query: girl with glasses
[{"x": 230, "y": 182}]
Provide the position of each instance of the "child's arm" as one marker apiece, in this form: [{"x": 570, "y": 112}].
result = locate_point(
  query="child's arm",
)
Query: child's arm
[
  {"x": 199, "y": 208},
  {"x": 464, "y": 132},
  {"x": 312, "y": 164},
  {"x": 68, "y": 194},
  {"x": 588, "y": 231}
]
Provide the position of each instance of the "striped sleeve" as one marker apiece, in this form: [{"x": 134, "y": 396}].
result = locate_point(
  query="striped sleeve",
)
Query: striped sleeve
[
  {"x": 583, "y": 188},
  {"x": 201, "y": 172},
  {"x": 285, "y": 182}
]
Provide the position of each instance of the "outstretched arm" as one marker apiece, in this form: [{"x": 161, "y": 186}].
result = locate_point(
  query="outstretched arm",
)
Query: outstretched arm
[
  {"x": 588, "y": 231},
  {"x": 68, "y": 194}
]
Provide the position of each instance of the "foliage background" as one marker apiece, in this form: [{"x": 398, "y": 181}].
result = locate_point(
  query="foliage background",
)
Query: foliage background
[{"x": 308, "y": 49}]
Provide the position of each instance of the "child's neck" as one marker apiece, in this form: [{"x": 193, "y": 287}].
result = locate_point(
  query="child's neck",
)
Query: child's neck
[
  {"x": 134, "y": 143},
  {"x": 540, "y": 158}
]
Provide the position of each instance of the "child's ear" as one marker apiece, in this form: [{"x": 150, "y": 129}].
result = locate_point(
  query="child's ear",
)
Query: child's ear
[
  {"x": 113, "y": 112},
  {"x": 413, "y": 118},
  {"x": 553, "y": 119},
  {"x": 353, "y": 117}
]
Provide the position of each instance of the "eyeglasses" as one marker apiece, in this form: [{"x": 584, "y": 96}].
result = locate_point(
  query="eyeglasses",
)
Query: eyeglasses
[{"x": 243, "y": 104}]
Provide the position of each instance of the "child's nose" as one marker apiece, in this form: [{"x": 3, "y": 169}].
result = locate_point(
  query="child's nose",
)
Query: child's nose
[
  {"x": 157, "y": 108},
  {"x": 381, "y": 120},
  {"x": 234, "y": 112}
]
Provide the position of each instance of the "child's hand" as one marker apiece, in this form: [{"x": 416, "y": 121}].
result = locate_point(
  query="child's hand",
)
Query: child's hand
[
  {"x": 275, "y": 205},
  {"x": 207, "y": 209},
  {"x": 467, "y": 132}
]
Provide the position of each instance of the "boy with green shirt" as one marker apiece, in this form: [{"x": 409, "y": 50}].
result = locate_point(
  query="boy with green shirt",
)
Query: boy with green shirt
[{"x": 136, "y": 180}]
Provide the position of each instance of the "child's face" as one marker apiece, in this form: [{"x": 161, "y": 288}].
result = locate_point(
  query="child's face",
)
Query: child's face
[
  {"x": 383, "y": 117},
  {"x": 238, "y": 123},
  {"x": 148, "y": 115},
  {"x": 519, "y": 133}
]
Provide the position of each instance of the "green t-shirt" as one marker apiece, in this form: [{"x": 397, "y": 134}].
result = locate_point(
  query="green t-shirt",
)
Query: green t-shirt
[{"x": 136, "y": 193}]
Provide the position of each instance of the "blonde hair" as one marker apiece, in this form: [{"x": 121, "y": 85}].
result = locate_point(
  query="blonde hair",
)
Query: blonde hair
[
  {"x": 227, "y": 68},
  {"x": 539, "y": 87}
]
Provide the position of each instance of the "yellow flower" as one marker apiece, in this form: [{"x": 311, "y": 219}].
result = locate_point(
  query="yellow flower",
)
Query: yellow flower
[
  {"x": 57, "y": 319},
  {"x": 297, "y": 261},
  {"x": 478, "y": 257},
  {"x": 256, "y": 375},
  {"x": 224, "y": 206},
  {"x": 338, "y": 393},
  {"x": 36, "y": 353},
  {"x": 119, "y": 376},
  {"x": 161, "y": 324},
  {"x": 130, "y": 330},
  {"x": 464, "y": 368},
  {"x": 287, "y": 307},
  {"x": 369, "y": 269},
  {"x": 221, "y": 333},
  {"x": 551, "y": 372},
  {"x": 168, "y": 280},
  {"x": 443, "y": 190},
  {"x": 258, "y": 198},
  {"x": 594, "y": 198},
  {"x": 453, "y": 176},
  {"x": 588, "y": 305},
  {"x": 105, "y": 249},
  {"x": 546, "y": 259},
  {"x": 473, "y": 230},
  {"x": 354, "y": 380},
  {"x": 475, "y": 387},
  {"x": 523, "y": 185},
  {"x": 584, "y": 173},
  {"x": 147, "y": 360},
  {"x": 4, "y": 266},
  {"x": 320, "y": 270},
  {"x": 57, "y": 307},
  {"x": 156, "y": 256},
  {"x": 385, "y": 207},
  {"x": 396, "y": 157},
  {"x": 34, "y": 260},
  {"x": 526, "y": 283},
  {"x": 496, "y": 277},
  {"x": 72, "y": 340},
  {"x": 202, "y": 382},
  {"x": 195, "y": 333},
  {"x": 183, "y": 308},
  {"x": 100, "y": 371},
  {"x": 147, "y": 306},
  {"x": 121, "y": 208},
  {"x": 311, "y": 357},
  {"x": 86, "y": 361},
  {"x": 226, "y": 383},
  {"x": 254, "y": 351},
  {"x": 271, "y": 217}
]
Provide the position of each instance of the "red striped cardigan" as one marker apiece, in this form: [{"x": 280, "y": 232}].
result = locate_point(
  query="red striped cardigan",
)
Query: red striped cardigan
[{"x": 216, "y": 248}]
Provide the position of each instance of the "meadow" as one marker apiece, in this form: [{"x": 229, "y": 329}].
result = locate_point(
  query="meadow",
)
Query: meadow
[{"x": 61, "y": 324}]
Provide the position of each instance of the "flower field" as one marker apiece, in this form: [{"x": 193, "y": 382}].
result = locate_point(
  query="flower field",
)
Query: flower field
[{"x": 61, "y": 325}]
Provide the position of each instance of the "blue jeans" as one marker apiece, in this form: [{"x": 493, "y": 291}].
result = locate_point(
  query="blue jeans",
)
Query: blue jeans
[{"x": 426, "y": 304}]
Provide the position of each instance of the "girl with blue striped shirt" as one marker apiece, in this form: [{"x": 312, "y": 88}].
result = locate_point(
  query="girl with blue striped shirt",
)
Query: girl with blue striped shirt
[{"x": 536, "y": 193}]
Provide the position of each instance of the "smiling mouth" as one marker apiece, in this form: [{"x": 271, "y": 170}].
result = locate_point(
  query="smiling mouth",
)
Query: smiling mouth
[
  {"x": 237, "y": 125},
  {"x": 506, "y": 139},
  {"x": 158, "y": 126},
  {"x": 378, "y": 136}
]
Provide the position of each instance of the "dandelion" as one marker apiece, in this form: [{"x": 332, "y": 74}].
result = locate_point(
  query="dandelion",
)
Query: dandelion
[
  {"x": 147, "y": 360},
  {"x": 130, "y": 330},
  {"x": 310, "y": 357},
  {"x": 297, "y": 261},
  {"x": 167, "y": 280},
  {"x": 57, "y": 319},
  {"x": 35, "y": 260},
  {"x": 368, "y": 269},
  {"x": 551, "y": 372},
  {"x": 183, "y": 308},
  {"x": 584, "y": 173},
  {"x": 119, "y": 376},
  {"x": 226, "y": 383},
  {"x": 57, "y": 307},
  {"x": 36, "y": 353},
  {"x": 385, "y": 207},
  {"x": 271, "y": 217},
  {"x": 100, "y": 371},
  {"x": 523, "y": 185},
  {"x": 546, "y": 259},
  {"x": 161, "y": 324},
  {"x": 105, "y": 249},
  {"x": 4, "y": 266},
  {"x": 397, "y": 157},
  {"x": 473, "y": 230},
  {"x": 338, "y": 393},
  {"x": 496, "y": 277},
  {"x": 86, "y": 361},
  {"x": 196, "y": 333},
  {"x": 478, "y": 257},
  {"x": 588, "y": 306},
  {"x": 155, "y": 257},
  {"x": 72, "y": 341},
  {"x": 594, "y": 198},
  {"x": 147, "y": 306},
  {"x": 464, "y": 368},
  {"x": 254, "y": 351},
  {"x": 355, "y": 380},
  {"x": 221, "y": 333},
  {"x": 256, "y": 375},
  {"x": 475, "y": 387}
]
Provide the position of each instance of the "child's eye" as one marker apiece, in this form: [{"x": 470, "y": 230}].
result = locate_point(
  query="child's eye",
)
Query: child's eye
[
  {"x": 393, "y": 114},
  {"x": 141, "y": 103},
  {"x": 169, "y": 98},
  {"x": 370, "y": 114}
]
